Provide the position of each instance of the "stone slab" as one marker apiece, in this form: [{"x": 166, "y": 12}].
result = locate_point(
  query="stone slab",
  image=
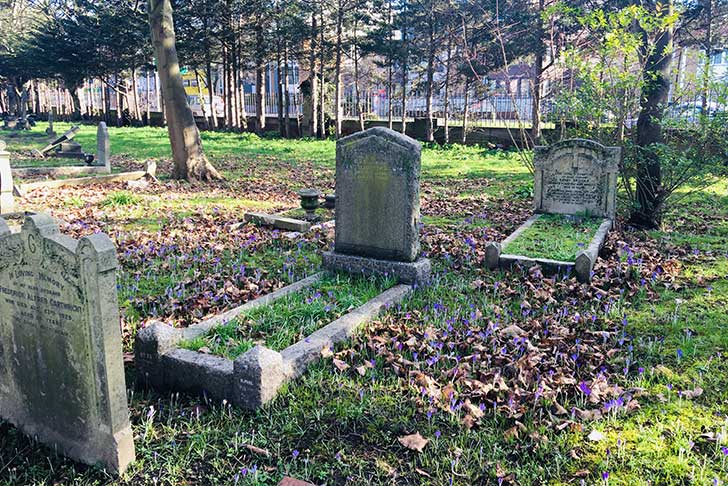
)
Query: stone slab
[
  {"x": 416, "y": 272},
  {"x": 576, "y": 176},
  {"x": 61, "y": 369},
  {"x": 279, "y": 222},
  {"x": 378, "y": 195}
]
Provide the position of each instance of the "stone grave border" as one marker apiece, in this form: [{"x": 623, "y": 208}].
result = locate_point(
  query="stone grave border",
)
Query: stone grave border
[
  {"x": 582, "y": 264},
  {"x": 150, "y": 171},
  {"x": 255, "y": 377},
  {"x": 584, "y": 261},
  {"x": 61, "y": 171}
]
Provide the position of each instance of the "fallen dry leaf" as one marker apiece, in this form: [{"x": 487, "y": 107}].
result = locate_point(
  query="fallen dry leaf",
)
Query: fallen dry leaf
[
  {"x": 414, "y": 442},
  {"x": 340, "y": 365}
]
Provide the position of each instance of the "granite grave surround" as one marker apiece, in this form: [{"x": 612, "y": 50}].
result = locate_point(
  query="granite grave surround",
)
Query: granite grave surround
[
  {"x": 572, "y": 177},
  {"x": 378, "y": 207},
  {"x": 254, "y": 378},
  {"x": 61, "y": 369},
  {"x": 149, "y": 173}
]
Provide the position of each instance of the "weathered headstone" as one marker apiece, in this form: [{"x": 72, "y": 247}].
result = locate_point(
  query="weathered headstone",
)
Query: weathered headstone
[
  {"x": 378, "y": 205},
  {"x": 103, "y": 146},
  {"x": 572, "y": 177},
  {"x": 61, "y": 369},
  {"x": 50, "y": 131},
  {"x": 576, "y": 176},
  {"x": 7, "y": 203}
]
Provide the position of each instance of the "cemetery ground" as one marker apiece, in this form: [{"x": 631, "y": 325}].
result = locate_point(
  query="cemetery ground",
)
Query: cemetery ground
[{"x": 480, "y": 377}]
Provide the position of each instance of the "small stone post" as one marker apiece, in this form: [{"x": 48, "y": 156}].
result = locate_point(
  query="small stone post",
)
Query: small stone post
[
  {"x": 103, "y": 147},
  {"x": 7, "y": 203}
]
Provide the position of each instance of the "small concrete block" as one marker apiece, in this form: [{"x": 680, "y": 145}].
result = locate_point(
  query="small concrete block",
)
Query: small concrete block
[
  {"x": 151, "y": 167},
  {"x": 416, "y": 272},
  {"x": 152, "y": 342},
  {"x": 492, "y": 255},
  {"x": 278, "y": 222},
  {"x": 257, "y": 376},
  {"x": 583, "y": 266}
]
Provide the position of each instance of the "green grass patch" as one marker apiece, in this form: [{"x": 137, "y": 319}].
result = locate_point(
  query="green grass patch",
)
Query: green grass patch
[
  {"x": 121, "y": 198},
  {"x": 291, "y": 318},
  {"x": 555, "y": 236}
]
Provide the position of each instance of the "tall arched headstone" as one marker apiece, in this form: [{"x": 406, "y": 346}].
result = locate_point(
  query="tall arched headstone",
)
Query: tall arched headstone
[
  {"x": 61, "y": 369},
  {"x": 378, "y": 205}
]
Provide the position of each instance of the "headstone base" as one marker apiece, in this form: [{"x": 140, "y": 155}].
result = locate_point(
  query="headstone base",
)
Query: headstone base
[{"x": 415, "y": 272}]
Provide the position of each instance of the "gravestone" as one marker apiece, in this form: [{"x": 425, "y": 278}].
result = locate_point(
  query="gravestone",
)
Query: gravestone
[
  {"x": 576, "y": 176},
  {"x": 7, "y": 203},
  {"x": 61, "y": 369},
  {"x": 378, "y": 205},
  {"x": 50, "y": 131},
  {"x": 103, "y": 146}
]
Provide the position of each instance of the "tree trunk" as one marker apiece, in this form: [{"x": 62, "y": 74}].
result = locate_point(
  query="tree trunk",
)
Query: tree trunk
[
  {"x": 135, "y": 94},
  {"x": 259, "y": 74},
  {"x": 203, "y": 104},
  {"x": 322, "y": 62},
  {"x": 656, "y": 75},
  {"x": 313, "y": 123},
  {"x": 448, "y": 69},
  {"x": 390, "y": 67},
  {"x": 708, "y": 47},
  {"x": 537, "y": 79},
  {"x": 466, "y": 102},
  {"x": 287, "y": 93},
  {"x": 211, "y": 92},
  {"x": 359, "y": 110},
  {"x": 73, "y": 92},
  {"x": 149, "y": 98},
  {"x": 405, "y": 67},
  {"x": 430, "y": 71},
  {"x": 189, "y": 161},
  {"x": 337, "y": 76}
]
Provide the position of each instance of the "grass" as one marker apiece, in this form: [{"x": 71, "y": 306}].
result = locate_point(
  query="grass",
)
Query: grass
[
  {"x": 556, "y": 237},
  {"x": 291, "y": 318},
  {"x": 665, "y": 329}
]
